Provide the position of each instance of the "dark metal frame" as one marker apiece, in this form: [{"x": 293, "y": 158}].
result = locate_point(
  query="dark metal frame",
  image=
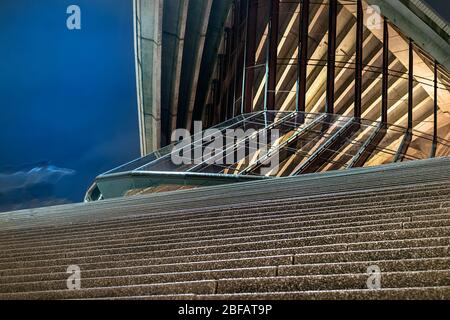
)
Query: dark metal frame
[
  {"x": 331, "y": 61},
  {"x": 411, "y": 84},
  {"x": 302, "y": 67},
  {"x": 272, "y": 56},
  {"x": 385, "y": 89},
  {"x": 225, "y": 72},
  {"x": 237, "y": 55},
  {"x": 435, "y": 112},
  {"x": 359, "y": 59},
  {"x": 250, "y": 52}
]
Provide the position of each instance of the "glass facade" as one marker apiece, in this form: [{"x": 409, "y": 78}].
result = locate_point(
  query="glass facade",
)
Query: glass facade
[{"x": 269, "y": 144}]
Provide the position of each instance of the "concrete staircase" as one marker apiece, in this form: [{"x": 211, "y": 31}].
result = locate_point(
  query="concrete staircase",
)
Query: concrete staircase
[{"x": 306, "y": 237}]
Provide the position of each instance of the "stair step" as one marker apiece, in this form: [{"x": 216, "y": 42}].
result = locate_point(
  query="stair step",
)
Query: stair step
[
  {"x": 196, "y": 219},
  {"x": 111, "y": 261},
  {"x": 142, "y": 276},
  {"x": 425, "y": 293},
  {"x": 306, "y": 237},
  {"x": 403, "y": 265},
  {"x": 333, "y": 282},
  {"x": 423, "y": 279},
  {"x": 262, "y": 228},
  {"x": 256, "y": 225}
]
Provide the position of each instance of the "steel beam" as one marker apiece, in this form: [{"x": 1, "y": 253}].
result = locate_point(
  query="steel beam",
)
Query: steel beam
[
  {"x": 272, "y": 56},
  {"x": 410, "y": 85},
  {"x": 233, "y": 59},
  {"x": 331, "y": 61},
  {"x": 359, "y": 59},
  {"x": 435, "y": 112},
  {"x": 302, "y": 57},
  {"x": 368, "y": 147},
  {"x": 238, "y": 57},
  {"x": 250, "y": 53},
  {"x": 323, "y": 154},
  {"x": 385, "y": 89}
]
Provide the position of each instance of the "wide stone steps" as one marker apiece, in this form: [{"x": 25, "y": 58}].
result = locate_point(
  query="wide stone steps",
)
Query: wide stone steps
[
  {"x": 390, "y": 176},
  {"x": 424, "y": 293},
  {"x": 309, "y": 237},
  {"x": 269, "y": 222},
  {"x": 283, "y": 234},
  {"x": 434, "y": 278},
  {"x": 99, "y": 265},
  {"x": 138, "y": 254},
  {"x": 57, "y": 280},
  {"x": 377, "y": 198},
  {"x": 287, "y": 265}
]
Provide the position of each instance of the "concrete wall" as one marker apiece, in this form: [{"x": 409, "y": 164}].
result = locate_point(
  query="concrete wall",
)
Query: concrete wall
[
  {"x": 170, "y": 45},
  {"x": 148, "y": 38}
]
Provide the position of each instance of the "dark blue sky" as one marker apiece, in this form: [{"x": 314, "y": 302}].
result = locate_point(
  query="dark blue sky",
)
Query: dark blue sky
[
  {"x": 67, "y": 97},
  {"x": 441, "y": 7}
]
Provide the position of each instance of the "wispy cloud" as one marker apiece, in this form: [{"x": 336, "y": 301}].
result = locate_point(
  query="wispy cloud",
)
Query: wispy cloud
[{"x": 27, "y": 188}]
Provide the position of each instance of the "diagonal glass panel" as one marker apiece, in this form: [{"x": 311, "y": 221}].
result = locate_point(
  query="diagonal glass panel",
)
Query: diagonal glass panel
[
  {"x": 240, "y": 152},
  {"x": 341, "y": 156},
  {"x": 279, "y": 152},
  {"x": 166, "y": 163},
  {"x": 318, "y": 138},
  {"x": 387, "y": 148}
]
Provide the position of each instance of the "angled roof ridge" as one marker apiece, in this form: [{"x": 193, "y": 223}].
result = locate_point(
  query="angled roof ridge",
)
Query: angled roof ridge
[
  {"x": 433, "y": 14},
  {"x": 422, "y": 24},
  {"x": 430, "y": 16}
]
